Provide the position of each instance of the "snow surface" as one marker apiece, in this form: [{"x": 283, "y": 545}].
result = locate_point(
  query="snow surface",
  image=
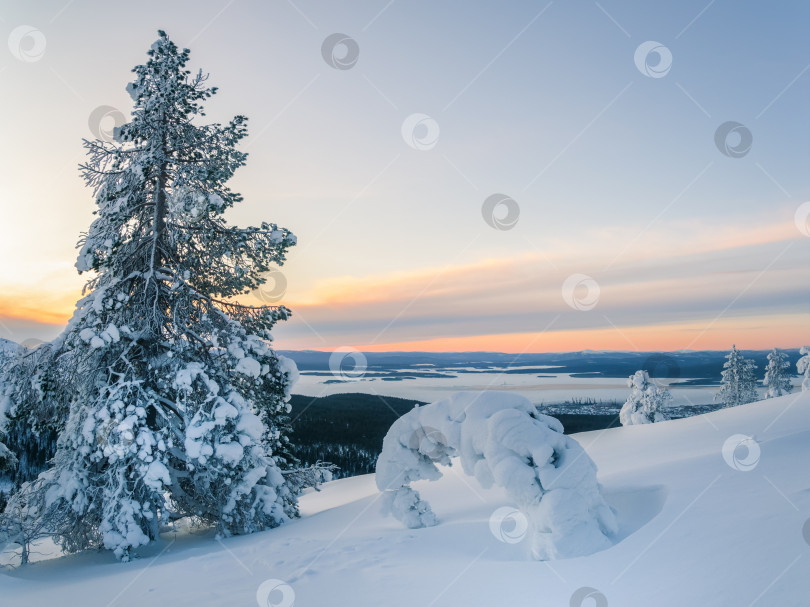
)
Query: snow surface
[{"x": 693, "y": 530}]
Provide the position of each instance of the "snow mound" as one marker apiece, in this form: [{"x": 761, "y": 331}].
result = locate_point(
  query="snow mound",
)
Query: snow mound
[{"x": 501, "y": 440}]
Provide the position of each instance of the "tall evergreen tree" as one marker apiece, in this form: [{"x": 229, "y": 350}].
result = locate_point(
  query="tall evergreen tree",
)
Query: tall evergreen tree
[
  {"x": 166, "y": 392},
  {"x": 738, "y": 380},
  {"x": 777, "y": 376}
]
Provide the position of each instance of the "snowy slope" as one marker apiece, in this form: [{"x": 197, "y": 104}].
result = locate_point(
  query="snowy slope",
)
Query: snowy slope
[
  {"x": 694, "y": 532},
  {"x": 7, "y": 347}
]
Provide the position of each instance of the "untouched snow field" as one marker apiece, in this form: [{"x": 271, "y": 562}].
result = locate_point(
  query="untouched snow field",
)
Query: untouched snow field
[{"x": 700, "y": 525}]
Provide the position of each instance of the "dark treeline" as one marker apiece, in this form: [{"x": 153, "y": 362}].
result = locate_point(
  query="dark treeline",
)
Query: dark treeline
[
  {"x": 344, "y": 429},
  {"x": 348, "y": 429}
]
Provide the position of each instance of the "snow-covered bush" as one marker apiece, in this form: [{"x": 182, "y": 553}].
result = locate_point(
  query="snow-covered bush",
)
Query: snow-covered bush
[
  {"x": 777, "y": 375},
  {"x": 26, "y": 518},
  {"x": 310, "y": 477},
  {"x": 502, "y": 440},
  {"x": 738, "y": 380},
  {"x": 646, "y": 403},
  {"x": 803, "y": 367}
]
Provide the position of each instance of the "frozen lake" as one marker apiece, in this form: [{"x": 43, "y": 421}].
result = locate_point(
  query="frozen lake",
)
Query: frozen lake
[
  {"x": 546, "y": 379},
  {"x": 540, "y": 390}
]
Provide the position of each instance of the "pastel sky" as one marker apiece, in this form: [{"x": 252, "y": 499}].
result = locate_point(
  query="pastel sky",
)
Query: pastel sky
[{"x": 676, "y": 237}]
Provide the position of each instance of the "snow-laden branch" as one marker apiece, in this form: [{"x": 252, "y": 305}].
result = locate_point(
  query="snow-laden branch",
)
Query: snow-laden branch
[{"x": 501, "y": 440}]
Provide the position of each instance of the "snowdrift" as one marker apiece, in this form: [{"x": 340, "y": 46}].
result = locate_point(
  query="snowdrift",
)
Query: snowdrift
[{"x": 704, "y": 518}]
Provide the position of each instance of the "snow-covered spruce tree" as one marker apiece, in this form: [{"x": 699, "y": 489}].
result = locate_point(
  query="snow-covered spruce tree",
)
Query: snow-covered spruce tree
[
  {"x": 803, "y": 367},
  {"x": 35, "y": 393},
  {"x": 179, "y": 402},
  {"x": 647, "y": 402},
  {"x": 777, "y": 374},
  {"x": 739, "y": 382}
]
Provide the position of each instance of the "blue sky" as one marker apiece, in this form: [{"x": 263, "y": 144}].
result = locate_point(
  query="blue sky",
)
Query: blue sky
[{"x": 616, "y": 174}]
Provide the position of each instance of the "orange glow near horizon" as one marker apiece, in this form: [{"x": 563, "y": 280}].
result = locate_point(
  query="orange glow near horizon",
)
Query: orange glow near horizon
[
  {"x": 750, "y": 333},
  {"x": 760, "y": 333},
  {"x": 45, "y": 310},
  {"x": 50, "y": 304}
]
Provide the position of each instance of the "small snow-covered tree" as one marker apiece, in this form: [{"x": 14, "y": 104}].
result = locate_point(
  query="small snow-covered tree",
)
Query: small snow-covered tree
[
  {"x": 500, "y": 439},
  {"x": 647, "y": 402},
  {"x": 777, "y": 376},
  {"x": 738, "y": 380},
  {"x": 803, "y": 367},
  {"x": 167, "y": 393}
]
